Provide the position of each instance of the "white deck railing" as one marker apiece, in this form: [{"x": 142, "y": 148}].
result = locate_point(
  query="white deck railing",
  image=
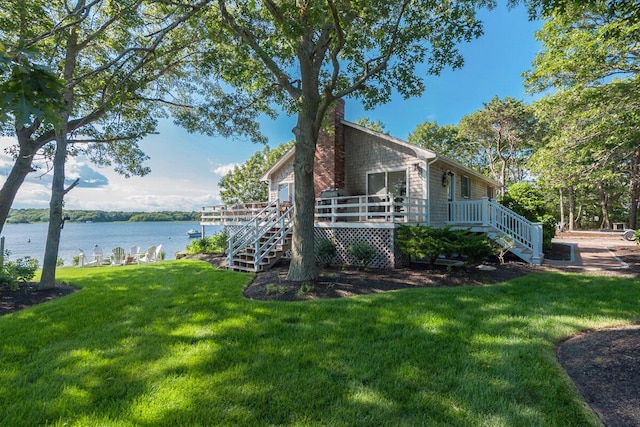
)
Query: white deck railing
[
  {"x": 225, "y": 214},
  {"x": 487, "y": 212},
  {"x": 384, "y": 208}
]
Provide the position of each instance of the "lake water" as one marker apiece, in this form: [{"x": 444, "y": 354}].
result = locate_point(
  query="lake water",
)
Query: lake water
[{"x": 30, "y": 239}]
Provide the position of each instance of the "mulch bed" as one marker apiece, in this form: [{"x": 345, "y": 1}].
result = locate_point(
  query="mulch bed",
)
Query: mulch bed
[
  {"x": 603, "y": 364},
  {"x": 28, "y": 294},
  {"x": 339, "y": 281}
]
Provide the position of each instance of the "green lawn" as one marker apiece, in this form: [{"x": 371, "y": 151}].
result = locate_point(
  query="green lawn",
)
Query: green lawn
[{"x": 175, "y": 343}]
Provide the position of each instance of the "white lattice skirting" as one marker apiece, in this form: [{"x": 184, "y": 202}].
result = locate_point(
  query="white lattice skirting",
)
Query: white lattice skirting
[{"x": 382, "y": 239}]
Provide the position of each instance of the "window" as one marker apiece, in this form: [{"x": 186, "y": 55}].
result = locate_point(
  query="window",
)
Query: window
[
  {"x": 380, "y": 184},
  {"x": 377, "y": 184},
  {"x": 490, "y": 192},
  {"x": 285, "y": 192},
  {"x": 383, "y": 183},
  {"x": 466, "y": 187}
]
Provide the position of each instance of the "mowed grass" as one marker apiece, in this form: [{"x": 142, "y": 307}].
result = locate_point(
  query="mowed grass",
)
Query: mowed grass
[{"x": 176, "y": 344}]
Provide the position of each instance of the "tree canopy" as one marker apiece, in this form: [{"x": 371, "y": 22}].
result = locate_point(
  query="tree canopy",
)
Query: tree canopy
[
  {"x": 504, "y": 132},
  {"x": 122, "y": 65},
  {"x": 446, "y": 140},
  {"x": 591, "y": 57}
]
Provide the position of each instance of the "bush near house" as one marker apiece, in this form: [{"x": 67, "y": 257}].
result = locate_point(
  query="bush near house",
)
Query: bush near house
[
  {"x": 363, "y": 252},
  {"x": 209, "y": 245},
  {"x": 422, "y": 242},
  {"x": 326, "y": 251}
]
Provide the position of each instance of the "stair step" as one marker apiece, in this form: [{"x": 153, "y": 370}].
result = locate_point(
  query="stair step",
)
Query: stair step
[
  {"x": 244, "y": 260},
  {"x": 238, "y": 268}
]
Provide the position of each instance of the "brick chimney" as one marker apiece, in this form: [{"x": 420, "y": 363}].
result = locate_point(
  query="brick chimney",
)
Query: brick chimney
[{"x": 329, "y": 159}]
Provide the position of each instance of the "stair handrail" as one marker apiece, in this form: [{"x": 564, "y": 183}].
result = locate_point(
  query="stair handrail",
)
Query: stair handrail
[
  {"x": 245, "y": 235},
  {"x": 285, "y": 222},
  {"x": 522, "y": 230}
]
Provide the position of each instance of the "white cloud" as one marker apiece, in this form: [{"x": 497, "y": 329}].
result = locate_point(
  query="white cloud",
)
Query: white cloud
[
  {"x": 150, "y": 193},
  {"x": 33, "y": 195},
  {"x": 222, "y": 170},
  {"x": 89, "y": 177}
]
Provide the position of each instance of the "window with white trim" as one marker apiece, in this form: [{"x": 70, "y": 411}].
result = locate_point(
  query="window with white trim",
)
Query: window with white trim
[
  {"x": 388, "y": 182},
  {"x": 466, "y": 187}
]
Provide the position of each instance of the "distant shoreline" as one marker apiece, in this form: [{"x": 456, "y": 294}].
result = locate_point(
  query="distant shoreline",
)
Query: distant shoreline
[
  {"x": 102, "y": 222},
  {"x": 36, "y": 216}
]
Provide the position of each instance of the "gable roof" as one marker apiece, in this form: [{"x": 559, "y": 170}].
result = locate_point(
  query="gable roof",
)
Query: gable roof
[{"x": 421, "y": 153}]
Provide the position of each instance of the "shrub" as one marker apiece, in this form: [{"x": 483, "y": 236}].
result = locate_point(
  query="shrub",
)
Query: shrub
[
  {"x": 277, "y": 290},
  {"x": 326, "y": 251},
  {"x": 363, "y": 252},
  {"x": 474, "y": 247},
  {"x": 504, "y": 244},
  {"x": 305, "y": 289},
  {"x": 15, "y": 272},
  {"x": 422, "y": 242},
  {"x": 209, "y": 245}
]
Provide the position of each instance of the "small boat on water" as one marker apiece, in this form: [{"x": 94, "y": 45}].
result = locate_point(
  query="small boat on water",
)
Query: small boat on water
[{"x": 193, "y": 233}]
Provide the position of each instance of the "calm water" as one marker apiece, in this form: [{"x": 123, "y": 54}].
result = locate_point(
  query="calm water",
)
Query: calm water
[{"x": 29, "y": 239}]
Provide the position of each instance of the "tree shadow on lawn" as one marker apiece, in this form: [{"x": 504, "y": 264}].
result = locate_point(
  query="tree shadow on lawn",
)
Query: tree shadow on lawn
[{"x": 447, "y": 356}]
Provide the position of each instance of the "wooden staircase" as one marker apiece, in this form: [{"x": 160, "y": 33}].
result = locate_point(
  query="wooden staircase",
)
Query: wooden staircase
[
  {"x": 259, "y": 244},
  {"x": 508, "y": 242},
  {"x": 520, "y": 236},
  {"x": 246, "y": 259}
]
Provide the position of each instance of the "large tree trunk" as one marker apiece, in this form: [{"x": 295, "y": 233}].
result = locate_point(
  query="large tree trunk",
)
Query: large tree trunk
[
  {"x": 48, "y": 278},
  {"x": 604, "y": 207},
  {"x": 561, "y": 198},
  {"x": 303, "y": 259},
  {"x": 571, "y": 202},
  {"x": 21, "y": 168},
  {"x": 635, "y": 191}
]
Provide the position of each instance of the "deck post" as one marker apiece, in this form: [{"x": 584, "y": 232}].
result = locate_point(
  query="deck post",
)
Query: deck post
[
  {"x": 485, "y": 211},
  {"x": 334, "y": 209},
  {"x": 536, "y": 241}
]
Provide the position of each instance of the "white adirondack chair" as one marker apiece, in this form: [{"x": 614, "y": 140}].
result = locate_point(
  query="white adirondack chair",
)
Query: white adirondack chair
[
  {"x": 149, "y": 255},
  {"x": 117, "y": 256},
  {"x": 158, "y": 257},
  {"x": 135, "y": 253}
]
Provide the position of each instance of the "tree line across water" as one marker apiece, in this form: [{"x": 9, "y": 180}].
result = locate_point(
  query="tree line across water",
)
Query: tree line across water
[{"x": 29, "y": 216}]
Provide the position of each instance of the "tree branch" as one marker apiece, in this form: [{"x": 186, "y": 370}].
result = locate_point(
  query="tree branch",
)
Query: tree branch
[
  {"x": 71, "y": 187},
  {"x": 283, "y": 79},
  {"x": 382, "y": 60}
]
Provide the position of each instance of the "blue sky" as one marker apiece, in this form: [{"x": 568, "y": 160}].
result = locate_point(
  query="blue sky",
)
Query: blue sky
[{"x": 186, "y": 167}]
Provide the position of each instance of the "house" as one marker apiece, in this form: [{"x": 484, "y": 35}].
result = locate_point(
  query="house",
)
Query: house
[{"x": 368, "y": 183}]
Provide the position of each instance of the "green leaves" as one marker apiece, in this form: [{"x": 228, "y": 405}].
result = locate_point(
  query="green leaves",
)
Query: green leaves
[
  {"x": 28, "y": 90},
  {"x": 504, "y": 132},
  {"x": 585, "y": 45},
  {"x": 421, "y": 242}
]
